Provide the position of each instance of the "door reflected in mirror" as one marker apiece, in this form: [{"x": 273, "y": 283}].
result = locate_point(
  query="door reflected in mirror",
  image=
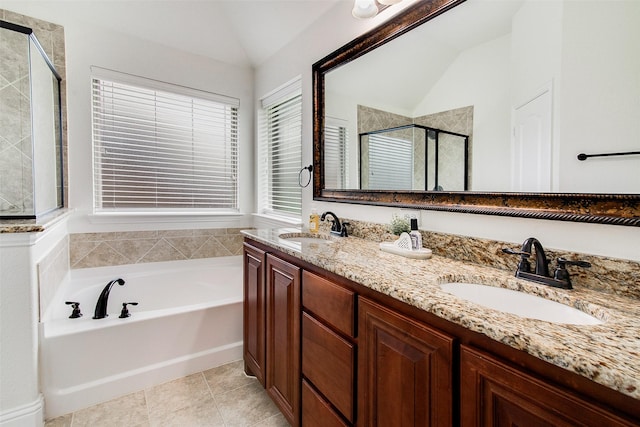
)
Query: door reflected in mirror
[{"x": 541, "y": 81}]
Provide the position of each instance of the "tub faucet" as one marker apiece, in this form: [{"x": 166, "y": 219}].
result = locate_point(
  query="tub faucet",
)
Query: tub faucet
[
  {"x": 101, "y": 305},
  {"x": 541, "y": 274}
]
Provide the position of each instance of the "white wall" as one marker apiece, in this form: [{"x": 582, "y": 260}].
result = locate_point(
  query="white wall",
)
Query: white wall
[
  {"x": 336, "y": 28},
  {"x": 600, "y": 118},
  {"x": 476, "y": 77},
  {"x": 90, "y": 45}
]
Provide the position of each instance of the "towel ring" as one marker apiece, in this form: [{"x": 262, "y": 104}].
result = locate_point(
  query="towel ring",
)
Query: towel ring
[{"x": 310, "y": 169}]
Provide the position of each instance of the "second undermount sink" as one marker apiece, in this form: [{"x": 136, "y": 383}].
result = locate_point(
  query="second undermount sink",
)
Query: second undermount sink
[{"x": 520, "y": 303}]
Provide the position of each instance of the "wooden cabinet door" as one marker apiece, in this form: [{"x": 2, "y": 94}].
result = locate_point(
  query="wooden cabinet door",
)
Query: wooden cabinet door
[
  {"x": 283, "y": 336},
  {"x": 404, "y": 370},
  {"x": 254, "y": 312},
  {"x": 495, "y": 394}
]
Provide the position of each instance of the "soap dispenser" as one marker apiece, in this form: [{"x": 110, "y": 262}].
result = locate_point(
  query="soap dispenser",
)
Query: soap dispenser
[
  {"x": 314, "y": 221},
  {"x": 416, "y": 237}
]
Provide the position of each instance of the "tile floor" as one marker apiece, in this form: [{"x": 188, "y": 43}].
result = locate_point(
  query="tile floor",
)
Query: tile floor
[{"x": 222, "y": 396}]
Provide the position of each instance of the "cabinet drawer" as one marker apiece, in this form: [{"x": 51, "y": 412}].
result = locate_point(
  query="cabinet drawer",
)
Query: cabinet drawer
[
  {"x": 328, "y": 363},
  {"x": 316, "y": 412},
  {"x": 329, "y": 302}
]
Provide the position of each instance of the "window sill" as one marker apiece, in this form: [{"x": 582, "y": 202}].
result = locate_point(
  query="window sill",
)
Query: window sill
[
  {"x": 275, "y": 221},
  {"x": 156, "y": 217}
]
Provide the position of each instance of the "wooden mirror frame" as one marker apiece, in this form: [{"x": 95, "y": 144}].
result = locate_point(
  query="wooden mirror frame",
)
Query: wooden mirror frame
[{"x": 615, "y": 209}]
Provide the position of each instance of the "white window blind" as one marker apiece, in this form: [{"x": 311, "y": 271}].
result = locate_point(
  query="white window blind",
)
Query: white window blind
[
  {"x": 335, "y": 154},
  {"x": 174, "y": 149},
  {"x": 390, "y": 163},
  {"x": 280, "y": 151}
]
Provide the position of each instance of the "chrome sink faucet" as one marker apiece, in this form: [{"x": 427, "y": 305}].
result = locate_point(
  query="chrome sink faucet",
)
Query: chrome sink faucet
[
  {"x": 337, "y": 228},
  {"x": 541, "y": 274}
]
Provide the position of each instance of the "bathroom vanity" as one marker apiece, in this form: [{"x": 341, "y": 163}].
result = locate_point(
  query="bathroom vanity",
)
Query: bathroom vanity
[{"x": 341, "y": 333}]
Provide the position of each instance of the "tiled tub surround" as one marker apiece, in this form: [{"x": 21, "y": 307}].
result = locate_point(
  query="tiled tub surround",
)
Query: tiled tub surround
[
  {"x": 608, "y": 354},
  {"x": 89, "y": 250}
]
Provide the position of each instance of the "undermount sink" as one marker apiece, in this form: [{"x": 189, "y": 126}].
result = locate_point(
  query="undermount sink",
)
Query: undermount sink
[
  {"x": 320, "y": 239},
  {"x": 519, "y": 303}
]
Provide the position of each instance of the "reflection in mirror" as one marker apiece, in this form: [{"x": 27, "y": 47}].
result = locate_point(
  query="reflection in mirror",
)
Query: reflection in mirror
[
  {"x": 413, "y": 157},
  {"x": 541, "y": 85}
]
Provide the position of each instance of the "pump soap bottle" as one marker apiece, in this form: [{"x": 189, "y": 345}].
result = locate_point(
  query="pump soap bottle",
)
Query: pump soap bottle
[
  {"x": 314, "y": 221},
  {"x": 416, "y": 237}
]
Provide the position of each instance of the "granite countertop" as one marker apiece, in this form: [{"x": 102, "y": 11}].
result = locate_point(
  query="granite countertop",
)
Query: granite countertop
[
  {"x": 608, "y": 354},
  {"x": 33, "y": 225}
]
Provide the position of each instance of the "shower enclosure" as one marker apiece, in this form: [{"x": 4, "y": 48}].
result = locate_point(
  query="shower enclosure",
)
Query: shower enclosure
[
  {"x": 414, "y": 157},
  {"x": 30, "y": 126}
]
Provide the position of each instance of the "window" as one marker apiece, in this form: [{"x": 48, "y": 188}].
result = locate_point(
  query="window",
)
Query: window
[
  {"x": 280, "y": 151},
  {"x": 335, "y": 154},
  {"x": 390, "y": 163},
  {"x": 160, "y": 147}
]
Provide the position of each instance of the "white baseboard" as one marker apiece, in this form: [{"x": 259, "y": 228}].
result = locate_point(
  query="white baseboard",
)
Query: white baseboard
[
  {"x": 63, "y": 401},
  {"x": 28, "y": 415}
]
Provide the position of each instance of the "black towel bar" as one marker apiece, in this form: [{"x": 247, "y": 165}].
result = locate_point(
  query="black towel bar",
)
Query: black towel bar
[{"x": 583, "y": 156}]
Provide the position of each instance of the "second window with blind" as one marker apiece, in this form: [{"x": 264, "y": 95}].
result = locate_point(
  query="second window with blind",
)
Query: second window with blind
[{"x": 280, "y": 140}]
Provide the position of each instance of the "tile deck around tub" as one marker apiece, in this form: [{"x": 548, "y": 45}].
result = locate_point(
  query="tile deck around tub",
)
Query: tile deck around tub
[{"x": 223, "y": 396}]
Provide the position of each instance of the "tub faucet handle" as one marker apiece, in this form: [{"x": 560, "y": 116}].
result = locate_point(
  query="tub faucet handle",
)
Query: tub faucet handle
[
  {"x": 125, "y": 311},
  {"x": 76, "y": 309}
]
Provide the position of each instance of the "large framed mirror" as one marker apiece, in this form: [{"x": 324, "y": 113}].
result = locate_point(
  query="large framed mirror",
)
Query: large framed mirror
[{"x": 548, "y": 107}]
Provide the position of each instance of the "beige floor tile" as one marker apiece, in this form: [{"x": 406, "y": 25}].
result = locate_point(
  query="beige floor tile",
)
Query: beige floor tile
[
  {"x": 202, "y": 414},
  {"x": 169, "y": 397},
  {"x": 245, "y": 406},
  {"x": 277, "y": 420},
  {"x": 227, "y": 377},
  {"x": 63, "y": 421},
  {"x": 129, "y": 410}
]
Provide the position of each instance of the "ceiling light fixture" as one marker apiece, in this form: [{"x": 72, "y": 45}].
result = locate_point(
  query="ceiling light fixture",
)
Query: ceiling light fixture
[{"x": 364, "y": 9}]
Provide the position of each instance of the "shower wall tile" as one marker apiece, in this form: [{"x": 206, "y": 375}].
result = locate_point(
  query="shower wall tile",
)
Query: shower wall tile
[
  {"x": 51, "y": 271},
  {"x": 133, "y": 247},
  {"x": 51, "y": 37}
]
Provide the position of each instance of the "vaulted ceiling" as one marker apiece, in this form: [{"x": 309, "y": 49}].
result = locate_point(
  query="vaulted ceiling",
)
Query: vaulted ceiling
[{"x": 243, "y": 32}]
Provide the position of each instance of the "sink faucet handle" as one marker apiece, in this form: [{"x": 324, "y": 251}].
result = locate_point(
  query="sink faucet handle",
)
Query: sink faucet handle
[
  {"x": 344, "y": 232},
  {"x": 563, "y": 262},
  {"x": 515, "y": 252},
  {"x": 562, "y": 273},
  {"x": 524, "y": 264}
]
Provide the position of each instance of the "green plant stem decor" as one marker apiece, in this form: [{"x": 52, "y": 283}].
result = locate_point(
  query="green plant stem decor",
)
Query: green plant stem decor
[{"x": 399, "y": 225}]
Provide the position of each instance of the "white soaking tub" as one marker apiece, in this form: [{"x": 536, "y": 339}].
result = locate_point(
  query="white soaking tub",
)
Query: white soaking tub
[{"x": 188, "y": 319}]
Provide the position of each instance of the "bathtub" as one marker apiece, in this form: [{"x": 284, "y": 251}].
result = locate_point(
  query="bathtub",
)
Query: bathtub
[{"x": 188, "y": 319}]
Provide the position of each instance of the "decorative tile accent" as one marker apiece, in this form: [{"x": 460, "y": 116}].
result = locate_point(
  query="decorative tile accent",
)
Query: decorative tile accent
[{"x": 132, "y": 247}]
